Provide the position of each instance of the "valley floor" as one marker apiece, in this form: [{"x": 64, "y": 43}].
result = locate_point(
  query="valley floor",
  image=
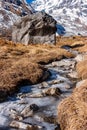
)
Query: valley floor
[{"x": 34, "y": 80}]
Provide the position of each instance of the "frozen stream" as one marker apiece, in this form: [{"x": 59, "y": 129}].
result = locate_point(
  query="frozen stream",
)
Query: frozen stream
[{"x": 20, "y": 110}]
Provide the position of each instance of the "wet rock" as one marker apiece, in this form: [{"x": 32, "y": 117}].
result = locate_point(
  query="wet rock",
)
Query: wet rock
[
  {"x": 35, "y": 28},
  {"x": 24, "y": 126},
  {"x": 46, "y": 74},
  {"x": 73, "y": 75},
  {"x": 44, "y": 85},
  {"x": 29, "y": 110},
  {"x": 52, "y": 92},
  {"x": 26, "y": 112},
  {"x": 23, "y": 102},
  {"x": 46, "y": 92},
  {"x": 50, "y": 119},
  {"x": 67, "y": 86},
  {"x": 13, "y": 111},
  {"x": 16, "y": 117},
  {"x": 35, "y": 95},
  {"x": 56, "y": 82},
  {"x": 34, "y": 107}
]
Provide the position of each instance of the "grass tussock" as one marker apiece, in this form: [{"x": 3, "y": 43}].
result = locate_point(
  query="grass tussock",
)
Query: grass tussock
[
  {"x": 72, "y": 112},
  {"x": 81, "y": 68}
]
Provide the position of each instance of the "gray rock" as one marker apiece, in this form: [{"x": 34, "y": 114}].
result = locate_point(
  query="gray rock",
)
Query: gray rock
[
  {"x": 73, "y": 74},
  {"x": 26, "y": 112},
  {"x": 24, "y": 126},
  {"x": 56, "y": 81},
  {"x": 34, "y": 107},
  {"x": 52, "y": 92},
  {"x": 16, "y": 117},
  {"x": 35, "y": 28},
  {"x": 44, "y": 85},
  {"x": 67, "y": 86},
  {"x": 29, "y": 110}
]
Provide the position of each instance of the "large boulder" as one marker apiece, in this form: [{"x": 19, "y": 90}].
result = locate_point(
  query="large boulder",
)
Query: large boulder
[{"x": 35, "y": 28}]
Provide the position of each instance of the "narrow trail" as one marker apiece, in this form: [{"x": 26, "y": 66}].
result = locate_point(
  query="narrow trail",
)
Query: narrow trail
[{"x": 35, "y": 106}]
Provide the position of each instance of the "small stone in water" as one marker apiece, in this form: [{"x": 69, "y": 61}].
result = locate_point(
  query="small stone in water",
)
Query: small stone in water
[
  {"x": 16, "y": 117},
  {"x": 56, "y": 82},
  {"x": 67, "y": 86},
  {"x": 34, "y": 107},
  {"x": 44, "y": 84},
  {"x": 24, "y": 126},
  {"x": 52, "y": 92}
]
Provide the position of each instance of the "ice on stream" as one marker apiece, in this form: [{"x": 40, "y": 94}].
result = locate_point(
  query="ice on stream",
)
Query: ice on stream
[{"x": 47, "y": 104}]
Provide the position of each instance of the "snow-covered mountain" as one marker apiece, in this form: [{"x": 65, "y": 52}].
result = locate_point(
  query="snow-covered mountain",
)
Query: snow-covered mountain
[
  {"x": 71, "y": 14},
  {"x": 10, "y": 10}
]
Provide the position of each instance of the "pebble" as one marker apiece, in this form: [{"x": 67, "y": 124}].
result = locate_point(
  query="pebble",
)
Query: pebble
[
  {"x": 56, "y": 82},
  {"x": 43, "y": 85},
  {"x": 73, "y": 75},
  {"x": 67, "y": 86},
  {"x": 29, "y": 110},
  {"x": 24, "y": 126},
  {"x": 52, "y": 92},
  {"x": 34, "y": 107},
  {"x": 16, "y": 117}
]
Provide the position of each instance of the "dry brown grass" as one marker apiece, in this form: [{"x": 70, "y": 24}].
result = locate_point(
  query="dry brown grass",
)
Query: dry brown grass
[
  {"x": 72, "y": 112},
  {"x": 16, "y": 73},
  {"x": 20, "y": 64},
  {"x": 81, "y": 68},
  {"x": 72, "y": 41}
]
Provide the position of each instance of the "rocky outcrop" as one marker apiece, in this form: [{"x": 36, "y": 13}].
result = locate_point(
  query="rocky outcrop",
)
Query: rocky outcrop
[{"x": 35, "y": 28}]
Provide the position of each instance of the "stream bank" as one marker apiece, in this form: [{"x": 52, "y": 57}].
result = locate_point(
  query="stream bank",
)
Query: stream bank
[{"x": 35, "y": 106}]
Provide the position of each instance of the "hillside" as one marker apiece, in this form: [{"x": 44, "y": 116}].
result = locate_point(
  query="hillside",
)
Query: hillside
[{"x": 71, "y": 14}]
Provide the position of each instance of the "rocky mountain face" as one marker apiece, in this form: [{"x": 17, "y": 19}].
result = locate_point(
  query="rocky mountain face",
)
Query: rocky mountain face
[
  {"x": 10, "y": 11},
  {"x": 71, "y": 14}
]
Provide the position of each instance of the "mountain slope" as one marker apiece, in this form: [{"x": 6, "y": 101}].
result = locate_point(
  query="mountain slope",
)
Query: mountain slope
[
  {"x": 10, "y": 11},
  {"x": 72, "y": 14}
]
